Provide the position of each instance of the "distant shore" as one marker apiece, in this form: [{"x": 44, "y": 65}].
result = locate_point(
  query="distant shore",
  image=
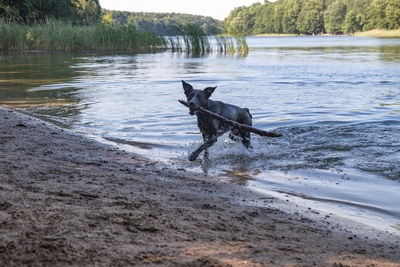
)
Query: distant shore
[
  {"x": 379, "y": 33},
  {"x": 372, "y": 33},
  {"x": 68, "y": 200}
]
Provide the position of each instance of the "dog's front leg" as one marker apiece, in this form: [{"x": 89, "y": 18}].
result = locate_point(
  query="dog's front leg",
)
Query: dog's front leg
[
  {"x": 206, "y": 154},
  {"x": 204, "y": 146}
]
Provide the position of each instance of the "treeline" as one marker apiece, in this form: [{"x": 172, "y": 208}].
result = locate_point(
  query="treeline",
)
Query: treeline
[
  {"x": 162, "y": 23},
  {"x": 314, "y": 16},
  {"x": 79, "y": 12}
]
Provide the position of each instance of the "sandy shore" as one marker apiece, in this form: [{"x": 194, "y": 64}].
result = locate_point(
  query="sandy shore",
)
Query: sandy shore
[{"x": 68, "y": 200}]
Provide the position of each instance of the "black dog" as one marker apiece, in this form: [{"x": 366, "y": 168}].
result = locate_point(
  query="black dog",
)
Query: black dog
[{"x": 211, "y": 128}]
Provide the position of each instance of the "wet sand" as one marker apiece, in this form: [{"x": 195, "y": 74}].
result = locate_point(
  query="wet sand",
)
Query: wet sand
[{"x": 68, "y": 200}]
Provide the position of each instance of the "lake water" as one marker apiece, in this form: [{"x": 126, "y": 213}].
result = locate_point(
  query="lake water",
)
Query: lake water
[{"x": 336, "y": 100}]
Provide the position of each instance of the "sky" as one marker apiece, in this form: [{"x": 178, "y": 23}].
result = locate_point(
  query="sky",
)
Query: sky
[{"x": 218, "y": 9}]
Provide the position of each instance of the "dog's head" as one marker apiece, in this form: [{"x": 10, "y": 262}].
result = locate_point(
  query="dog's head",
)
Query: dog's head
[{"x": 196, "y": 98}]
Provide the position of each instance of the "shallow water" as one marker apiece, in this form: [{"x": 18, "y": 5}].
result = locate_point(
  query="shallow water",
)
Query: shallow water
[{"x": 336, "y": 100}]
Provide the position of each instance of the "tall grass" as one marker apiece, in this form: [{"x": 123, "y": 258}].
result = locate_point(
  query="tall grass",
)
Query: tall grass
[
  {"x": 174, "y": 43},
  {"x": 195, "y": 40},
  {"x": 225, "y": 44},
  {"x": 241, "y": 44},
  {"x": 63, "y": 36}
]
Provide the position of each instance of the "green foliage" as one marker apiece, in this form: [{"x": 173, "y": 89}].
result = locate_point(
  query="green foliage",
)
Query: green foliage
[
  {"x": 350, "y": 23},
  {"x": 376, "y": 15},
  {"x": 195, "y": 39},
  {"x": 242, "y": 19},
  {"x": 383, "y": 14},
  {"x": 86, "y": 12},
  {"x": 292, "y": 10},
  {"x": 277, "y": 18},
  {"x": 314, "y": 16},
  {"x": 165, "y": 23},
  {"x": 238, "y": 21},
  {"x": 81, "y": 12},
  {"x": 392, "y": 13},
  {"x": 63, "y": 36},
  {"x": 107, "y": 19},
  {"x": 334, "y": 16},
  {"x": 265, "y": 24},
  {"x": 310, "y": 19}
]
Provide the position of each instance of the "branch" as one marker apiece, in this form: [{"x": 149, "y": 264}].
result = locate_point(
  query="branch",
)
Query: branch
[{"x": 233, "y": 123}]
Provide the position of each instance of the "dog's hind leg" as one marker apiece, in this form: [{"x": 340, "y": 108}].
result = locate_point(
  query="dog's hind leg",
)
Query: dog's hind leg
[
  {"x": 206, "y": 155},
  {"x": 204, "y": 146}
]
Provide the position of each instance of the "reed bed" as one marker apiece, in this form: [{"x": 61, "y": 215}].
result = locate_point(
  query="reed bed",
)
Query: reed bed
[
  {"x": 241, "y": 44},
  {"x": 225, "y": 44},
  {"x": 195, "y": 39},
  {"x": 63, "y": 36},
  {"x": 200, "y": 45}
]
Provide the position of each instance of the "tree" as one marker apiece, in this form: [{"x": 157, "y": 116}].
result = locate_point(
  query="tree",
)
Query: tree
[
  {"x": 33, "y": 11},
  {"x": 87, "y": 11},
  {"x": 291, "y": 9},
  {"x": 376, "y": 18},
  {"x": 392, "y": 13},
  {"x": 240, "y": 20},
  {"x": 310, "y": 19},
  {"x": 350, "y": 23},
  {"x": 334, "y": 17},
  {"x": 277, "y": 18},
  {"x": 266, "y": 22}
]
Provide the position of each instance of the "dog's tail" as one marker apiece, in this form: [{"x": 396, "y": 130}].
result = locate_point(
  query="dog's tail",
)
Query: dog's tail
[{"x": 248, "y": 111}]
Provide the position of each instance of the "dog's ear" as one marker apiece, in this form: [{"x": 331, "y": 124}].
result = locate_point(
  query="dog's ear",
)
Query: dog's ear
[
  {"x": 209, "y": 90},
  {"x": 187, "y": 87}
]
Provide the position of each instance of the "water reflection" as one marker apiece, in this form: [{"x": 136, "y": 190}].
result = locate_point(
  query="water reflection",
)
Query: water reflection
[
  {"x": 22, "y": 71},
  {"x": 389, "y": 53}
]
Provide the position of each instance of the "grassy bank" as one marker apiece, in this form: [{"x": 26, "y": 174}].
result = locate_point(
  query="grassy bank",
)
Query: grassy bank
[
  {"x": 63, "y": 36},
  {"x": 379, "y": 33}
]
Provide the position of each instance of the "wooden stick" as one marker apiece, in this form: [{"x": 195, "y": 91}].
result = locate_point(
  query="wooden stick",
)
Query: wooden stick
[{"x": 233, "y": 123}]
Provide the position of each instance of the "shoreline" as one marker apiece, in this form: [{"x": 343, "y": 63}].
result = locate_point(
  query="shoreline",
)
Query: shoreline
[
  {"x": 371, "y": 33},
  {"x": 68, "y": 199}
]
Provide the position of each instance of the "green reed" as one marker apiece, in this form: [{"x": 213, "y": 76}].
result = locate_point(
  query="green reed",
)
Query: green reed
[
  {"x": 199, "y": 45},
  {"x": 225, "y": 44},
  {"x": 195, "y": 39},
  {"x": 63, "y": 36},
  {"x": 197, "y": 42},
  {"x": 174, "y": 43},
  {"x": 241, "y": 44}
]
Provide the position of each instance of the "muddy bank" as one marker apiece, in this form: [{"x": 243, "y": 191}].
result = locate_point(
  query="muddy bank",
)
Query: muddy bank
[{"x": 69, "y": 200}]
